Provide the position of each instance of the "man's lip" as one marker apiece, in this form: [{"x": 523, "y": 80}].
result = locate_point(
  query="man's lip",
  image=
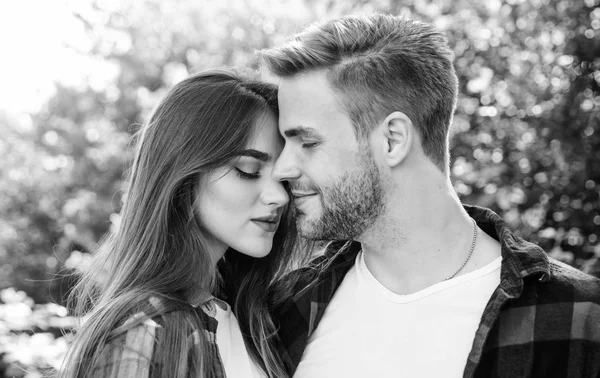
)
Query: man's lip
[
  {"x": 302, "y": 194},
  {"x": 299, "y": 200}
]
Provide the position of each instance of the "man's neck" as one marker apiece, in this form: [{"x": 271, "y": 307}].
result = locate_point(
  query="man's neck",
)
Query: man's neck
[{"x": 424, "y": 240}]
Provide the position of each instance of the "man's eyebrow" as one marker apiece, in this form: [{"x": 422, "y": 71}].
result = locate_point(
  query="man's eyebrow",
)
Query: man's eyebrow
[
  {"x": 262, "y": 156},
  {"x": 301, "y": 131}
]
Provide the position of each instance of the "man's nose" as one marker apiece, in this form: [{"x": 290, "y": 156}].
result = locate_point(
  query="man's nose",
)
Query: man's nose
[{"x": 286, "y": 168}]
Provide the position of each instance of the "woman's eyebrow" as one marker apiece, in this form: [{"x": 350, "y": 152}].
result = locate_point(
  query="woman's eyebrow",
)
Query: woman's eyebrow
[{"x": 259, "y": 155}]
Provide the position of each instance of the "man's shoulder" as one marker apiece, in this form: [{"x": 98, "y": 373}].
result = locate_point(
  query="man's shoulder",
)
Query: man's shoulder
[
  {"x": 325, "y": 270},
  {"x": 333, "y": 255},
  {"x": 565, "y": 280},
  {"x": 557, "y": 311},
  {"x": 562, "y": 293},
  {"x": 298, "y": 300}
]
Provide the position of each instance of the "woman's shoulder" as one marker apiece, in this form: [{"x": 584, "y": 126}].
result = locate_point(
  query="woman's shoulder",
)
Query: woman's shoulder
[
  {"x": 148, "y": 317},
  {"x": 131, "y": 348},
  {"x": 158, "y": 332},
  {"x": 157, "y": 315}
]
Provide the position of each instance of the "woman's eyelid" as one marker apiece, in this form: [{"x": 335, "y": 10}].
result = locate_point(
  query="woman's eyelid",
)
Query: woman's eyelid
[
  {"x": 246, "y": 175},
  {"x": 252, "y": 165}
]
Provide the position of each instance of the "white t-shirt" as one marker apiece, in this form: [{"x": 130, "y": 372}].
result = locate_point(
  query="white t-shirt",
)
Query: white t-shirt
[
  {"x": 369, "y": 331},
  {"x": 236, "y": 360}
]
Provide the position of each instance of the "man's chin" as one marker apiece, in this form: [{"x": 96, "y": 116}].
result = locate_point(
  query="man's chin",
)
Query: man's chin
[{"x": 307, "y": 226}]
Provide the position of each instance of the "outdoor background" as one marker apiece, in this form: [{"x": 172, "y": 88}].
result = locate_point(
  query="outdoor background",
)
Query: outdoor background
[{"x": 78, "y": 78}]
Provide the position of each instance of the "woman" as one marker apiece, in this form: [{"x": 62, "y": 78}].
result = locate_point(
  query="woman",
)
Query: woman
[{"x": 203, "y": 223}]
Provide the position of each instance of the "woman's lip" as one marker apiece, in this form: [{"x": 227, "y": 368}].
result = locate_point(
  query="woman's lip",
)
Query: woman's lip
[
  {"x": 268, "y": 218},
  {"x": 267, "y": 226}
]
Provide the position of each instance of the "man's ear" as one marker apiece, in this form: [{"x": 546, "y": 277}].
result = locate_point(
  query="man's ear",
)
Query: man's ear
[{"x": 398, "y": 134}]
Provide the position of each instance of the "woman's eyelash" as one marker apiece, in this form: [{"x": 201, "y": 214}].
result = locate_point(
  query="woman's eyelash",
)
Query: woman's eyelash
[{"x": 246, "y": 175}]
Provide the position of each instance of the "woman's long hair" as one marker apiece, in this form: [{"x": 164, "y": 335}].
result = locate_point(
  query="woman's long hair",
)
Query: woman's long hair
[{"x": 160, "y": 246}]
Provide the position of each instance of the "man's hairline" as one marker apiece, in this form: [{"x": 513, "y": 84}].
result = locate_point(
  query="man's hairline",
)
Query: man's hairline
[{"x": 339, "y": 97}]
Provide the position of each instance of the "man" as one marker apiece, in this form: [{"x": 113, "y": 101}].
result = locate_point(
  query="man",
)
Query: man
[{"x": 424, "y": 287}]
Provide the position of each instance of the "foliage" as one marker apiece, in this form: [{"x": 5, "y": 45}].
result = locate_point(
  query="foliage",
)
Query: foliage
[
  {"x": 526, "y": 136},
  {"x": 31, "y": 336}
]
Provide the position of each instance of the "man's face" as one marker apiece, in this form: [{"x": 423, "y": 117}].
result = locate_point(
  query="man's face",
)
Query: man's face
[{"x": 335, "y": 183}]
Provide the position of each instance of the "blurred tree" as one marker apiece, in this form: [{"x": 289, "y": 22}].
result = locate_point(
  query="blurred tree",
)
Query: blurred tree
[{"x": 526, "y": 135}]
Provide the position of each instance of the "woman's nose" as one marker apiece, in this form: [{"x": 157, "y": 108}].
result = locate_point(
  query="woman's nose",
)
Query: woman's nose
[{"x": 274, "y": 194}]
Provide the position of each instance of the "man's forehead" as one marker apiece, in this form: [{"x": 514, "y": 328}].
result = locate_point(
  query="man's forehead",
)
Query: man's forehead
[
  {"x": 306, "y": 96},
  {"x": 305, "y": 85},
  {"x": 307, "y": 101}
]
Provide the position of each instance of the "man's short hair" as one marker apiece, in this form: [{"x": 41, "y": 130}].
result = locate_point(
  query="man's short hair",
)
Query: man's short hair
[{"x": 378, "y": 64}]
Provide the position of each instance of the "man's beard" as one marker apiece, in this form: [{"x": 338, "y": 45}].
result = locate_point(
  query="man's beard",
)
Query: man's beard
[{"x": 349, "y": 206}]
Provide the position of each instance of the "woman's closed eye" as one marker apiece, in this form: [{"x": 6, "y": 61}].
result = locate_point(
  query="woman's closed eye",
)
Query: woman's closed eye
[{"x": 247, "y": 175}]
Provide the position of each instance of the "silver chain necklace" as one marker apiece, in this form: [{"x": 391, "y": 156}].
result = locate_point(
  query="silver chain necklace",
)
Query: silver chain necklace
[{"x": 470, "y": 252}]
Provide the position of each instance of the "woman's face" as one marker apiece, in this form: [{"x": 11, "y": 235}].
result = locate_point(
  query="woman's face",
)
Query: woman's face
[{"x": 241, "y": 204}]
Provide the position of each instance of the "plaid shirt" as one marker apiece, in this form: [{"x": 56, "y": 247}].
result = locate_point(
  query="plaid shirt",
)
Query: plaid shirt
[
  {"x": 543, "y": 320},
  {"x": 131, "y": 354}
]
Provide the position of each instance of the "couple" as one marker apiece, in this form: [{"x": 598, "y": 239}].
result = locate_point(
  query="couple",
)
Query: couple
[{"x": 352, "y": 147}]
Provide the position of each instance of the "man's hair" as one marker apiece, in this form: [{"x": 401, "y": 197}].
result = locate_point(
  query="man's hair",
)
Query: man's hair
[{"x": 378, "y": 64}]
